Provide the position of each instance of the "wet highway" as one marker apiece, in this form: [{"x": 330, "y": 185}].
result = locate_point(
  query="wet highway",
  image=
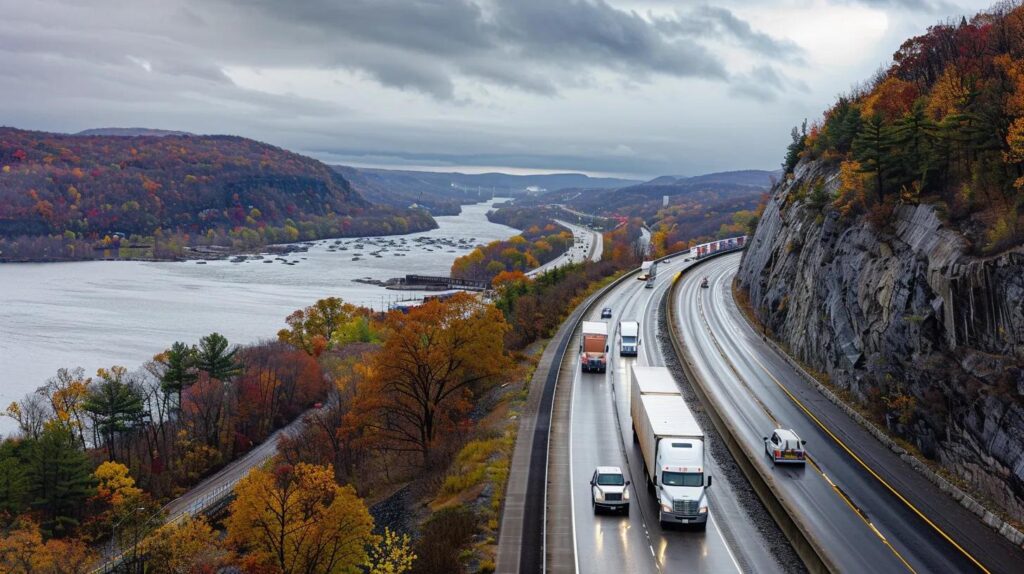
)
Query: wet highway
[
  {"x": 870, "y": 511},
  {"x": 601, "y": 434}
]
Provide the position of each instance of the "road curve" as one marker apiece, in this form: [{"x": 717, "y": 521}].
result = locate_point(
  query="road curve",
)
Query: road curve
[
  {"x": 843, "y": 495},
  {"x": 600, "y": 434},
  {"x": 587, "y": 245}
]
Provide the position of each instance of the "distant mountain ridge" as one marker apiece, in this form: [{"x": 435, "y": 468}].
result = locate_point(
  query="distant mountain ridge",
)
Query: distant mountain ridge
[
  {"x": 443, "y": 192},
  {"x": 131, "y": 132},
  {"x": 751, "y": 177}
]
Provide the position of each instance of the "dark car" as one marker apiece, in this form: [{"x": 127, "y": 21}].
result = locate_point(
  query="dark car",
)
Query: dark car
[
  {"x": 704, "y": 283},
  {"x": 606, "y": 313}
]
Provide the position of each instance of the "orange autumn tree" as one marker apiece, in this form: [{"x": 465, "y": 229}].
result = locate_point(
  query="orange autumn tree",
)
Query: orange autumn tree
[
  {"x": 434, "y": 360},
  {"x": 22, "y": 551},
  {"x": 298, "y": 520}
]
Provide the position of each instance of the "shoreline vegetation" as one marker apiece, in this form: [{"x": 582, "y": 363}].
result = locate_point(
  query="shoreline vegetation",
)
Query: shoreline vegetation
[
  {"x": 133, "y": 439},
  {"x": 85, "y": 197}
]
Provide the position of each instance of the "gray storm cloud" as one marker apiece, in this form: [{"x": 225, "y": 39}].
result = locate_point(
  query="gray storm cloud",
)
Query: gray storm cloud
[{"x": 465, "y": 71}]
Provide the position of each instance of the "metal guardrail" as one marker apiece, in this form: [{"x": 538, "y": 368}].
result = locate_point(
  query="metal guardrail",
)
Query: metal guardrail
[
  {"x": 533, "y": 551},
  {"x": 209, "y": 501}
]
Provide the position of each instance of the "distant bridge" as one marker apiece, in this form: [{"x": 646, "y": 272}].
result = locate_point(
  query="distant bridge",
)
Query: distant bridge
[{"x": 440, "y": 281}]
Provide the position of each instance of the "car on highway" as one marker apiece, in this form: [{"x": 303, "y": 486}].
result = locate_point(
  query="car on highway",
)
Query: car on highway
[
  {"x": 784, "y": 446},
  {"x": 704, "y": 283},
  {"x": 609, "y": 490},
  {"x": 606, "y": 313}
]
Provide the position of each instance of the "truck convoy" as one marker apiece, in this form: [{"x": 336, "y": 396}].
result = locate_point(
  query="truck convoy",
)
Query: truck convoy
[
  {"x": 594, "y": 347},
  {"x": 672, "y": 444},
  {"x": 629, "y": 338}
]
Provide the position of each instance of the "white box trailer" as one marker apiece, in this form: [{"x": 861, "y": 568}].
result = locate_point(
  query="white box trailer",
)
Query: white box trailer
[
  {"x": 672, "y": 445},
  {"x": 629, "y": 338}
]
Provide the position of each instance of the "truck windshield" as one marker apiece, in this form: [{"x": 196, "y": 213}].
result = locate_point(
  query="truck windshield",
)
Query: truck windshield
[
  {"x": 627, "y": 340},
  {"x": 682, "y": 478},
  {"x": 610, "y": 480}
]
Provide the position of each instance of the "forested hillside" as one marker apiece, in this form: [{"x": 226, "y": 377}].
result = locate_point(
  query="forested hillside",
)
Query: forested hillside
[
  {"x": 944, "y": 124},
  {"x": 215, "y": 189}
]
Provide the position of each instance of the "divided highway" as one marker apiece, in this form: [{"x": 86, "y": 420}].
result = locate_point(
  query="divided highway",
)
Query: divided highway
[
  {"x": 601, "y": 434},
  {"x": 866, "y": 510},
  {"x": 587, "y": 244}
]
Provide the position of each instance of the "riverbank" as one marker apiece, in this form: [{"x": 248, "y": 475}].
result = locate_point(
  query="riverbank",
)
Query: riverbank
[{"x": 96, "y": 314}]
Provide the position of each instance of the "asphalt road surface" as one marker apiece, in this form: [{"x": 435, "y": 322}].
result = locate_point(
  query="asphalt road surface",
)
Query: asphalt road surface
[
  {"x": 587, "y": 244},
  {"x": 601, "y": 434},
  {"x": 844, "y": 493}
]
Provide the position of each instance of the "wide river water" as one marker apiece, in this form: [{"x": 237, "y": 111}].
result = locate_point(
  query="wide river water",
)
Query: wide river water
[{"x": 102, "y": 313}]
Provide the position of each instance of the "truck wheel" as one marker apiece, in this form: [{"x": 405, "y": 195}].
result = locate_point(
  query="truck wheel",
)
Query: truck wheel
[{"x": 702, "y": 526}]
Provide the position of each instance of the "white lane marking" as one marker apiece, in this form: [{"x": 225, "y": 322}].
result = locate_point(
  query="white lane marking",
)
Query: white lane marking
[
  {"x": 711, "y": 518},
  {"x": 572, "y": 479}
]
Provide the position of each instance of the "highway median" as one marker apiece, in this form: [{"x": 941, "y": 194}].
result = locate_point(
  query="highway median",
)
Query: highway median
[{"x": 783, "y": 510}]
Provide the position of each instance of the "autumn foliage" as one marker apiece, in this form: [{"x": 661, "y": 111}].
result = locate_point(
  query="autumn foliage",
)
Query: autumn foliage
[
  {"x": 434, "y": 360},
  {"x": 297, "y": 520},
  {"x": 67, "y": 197},
  {"x": 944, "y": 124},
  {"x": 535, "y": 246}
]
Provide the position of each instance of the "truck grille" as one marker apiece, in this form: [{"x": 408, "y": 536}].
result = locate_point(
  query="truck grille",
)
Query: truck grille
[
  {"x": 613, "y": 496},
  {"x": 687, "y": 507}
]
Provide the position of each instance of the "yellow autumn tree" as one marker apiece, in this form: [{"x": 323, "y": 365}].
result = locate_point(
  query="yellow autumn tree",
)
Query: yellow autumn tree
[
  {"x": 393, "y": 555},
  {"x": 189, "y": 545},
  {"x": 114, "y": 483},
  {"x": 297, "y": 519},
  {"x": 852, "y": 194}
]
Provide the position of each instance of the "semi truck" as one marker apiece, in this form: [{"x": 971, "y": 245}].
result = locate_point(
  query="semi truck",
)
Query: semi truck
[
  {"x": 672, "y": 445},
  {"x": 629, "y": 338},
  {"x": 594, "y": 347}
]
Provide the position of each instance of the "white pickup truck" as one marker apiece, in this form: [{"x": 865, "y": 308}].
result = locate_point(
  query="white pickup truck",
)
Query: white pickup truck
[{"x": 672, "y": 445}]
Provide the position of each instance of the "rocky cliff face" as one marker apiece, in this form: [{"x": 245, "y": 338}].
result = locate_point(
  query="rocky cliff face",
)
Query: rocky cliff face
[{"x": 929, "y": 338}]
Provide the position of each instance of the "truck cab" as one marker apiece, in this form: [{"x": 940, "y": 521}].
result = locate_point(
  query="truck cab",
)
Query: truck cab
[
  {"x": 680, "y": 482},
  {"x": 594, "y": 347}
]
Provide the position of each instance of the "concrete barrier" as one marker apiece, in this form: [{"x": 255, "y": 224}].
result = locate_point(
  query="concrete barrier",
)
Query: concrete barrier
[{"x": 783, "y": 511}]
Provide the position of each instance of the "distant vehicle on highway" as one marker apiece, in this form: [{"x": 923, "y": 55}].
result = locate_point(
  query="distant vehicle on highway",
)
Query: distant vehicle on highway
[
  {"x": 704, "y": 283},
  {"x": 606, "y": 313},
  {"x": 784, "y": 446},
  {"x": 629, "y": 338},
  {"x": 594, "y": 347},
  {"x": 609, "y": 490},
  {"x": 672, "y": 445}
]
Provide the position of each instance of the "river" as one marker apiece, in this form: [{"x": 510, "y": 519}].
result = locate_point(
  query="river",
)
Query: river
[{"x": 101, "y": 313}]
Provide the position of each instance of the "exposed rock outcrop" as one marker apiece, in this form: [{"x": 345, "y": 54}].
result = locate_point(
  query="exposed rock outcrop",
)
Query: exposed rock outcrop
[{"x": 929, "y": 338}]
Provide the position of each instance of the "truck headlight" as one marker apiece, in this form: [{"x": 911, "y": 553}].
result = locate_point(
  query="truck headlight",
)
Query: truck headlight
[
  {"x": 666, "y": 507},
  {"x": 703, "y": 510},
  {"x": 625, "y": 494},
  {"x": 598, "y": 494}
]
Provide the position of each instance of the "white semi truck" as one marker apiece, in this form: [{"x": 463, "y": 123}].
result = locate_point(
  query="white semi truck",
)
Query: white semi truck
[
  {"x": 629, "y": 338},
  {"x": 672, "y": 445}
]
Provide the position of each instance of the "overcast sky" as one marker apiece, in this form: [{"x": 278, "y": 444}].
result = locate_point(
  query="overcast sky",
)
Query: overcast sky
[{"x": 630, "y": 87}]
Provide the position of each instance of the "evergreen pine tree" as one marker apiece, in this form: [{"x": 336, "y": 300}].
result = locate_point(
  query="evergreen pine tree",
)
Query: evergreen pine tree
[
  {"x": 59, "y": 478},
  {"x": 215, "y": 359}
]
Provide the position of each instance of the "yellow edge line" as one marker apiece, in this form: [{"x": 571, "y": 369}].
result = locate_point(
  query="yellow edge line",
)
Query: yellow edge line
[
  {"x": 842, "y": 495},
  {"x": 868, "y": 468}
]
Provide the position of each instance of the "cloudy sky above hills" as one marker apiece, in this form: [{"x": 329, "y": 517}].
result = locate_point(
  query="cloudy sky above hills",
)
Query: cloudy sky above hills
[{"x": 626, "y": 87}]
